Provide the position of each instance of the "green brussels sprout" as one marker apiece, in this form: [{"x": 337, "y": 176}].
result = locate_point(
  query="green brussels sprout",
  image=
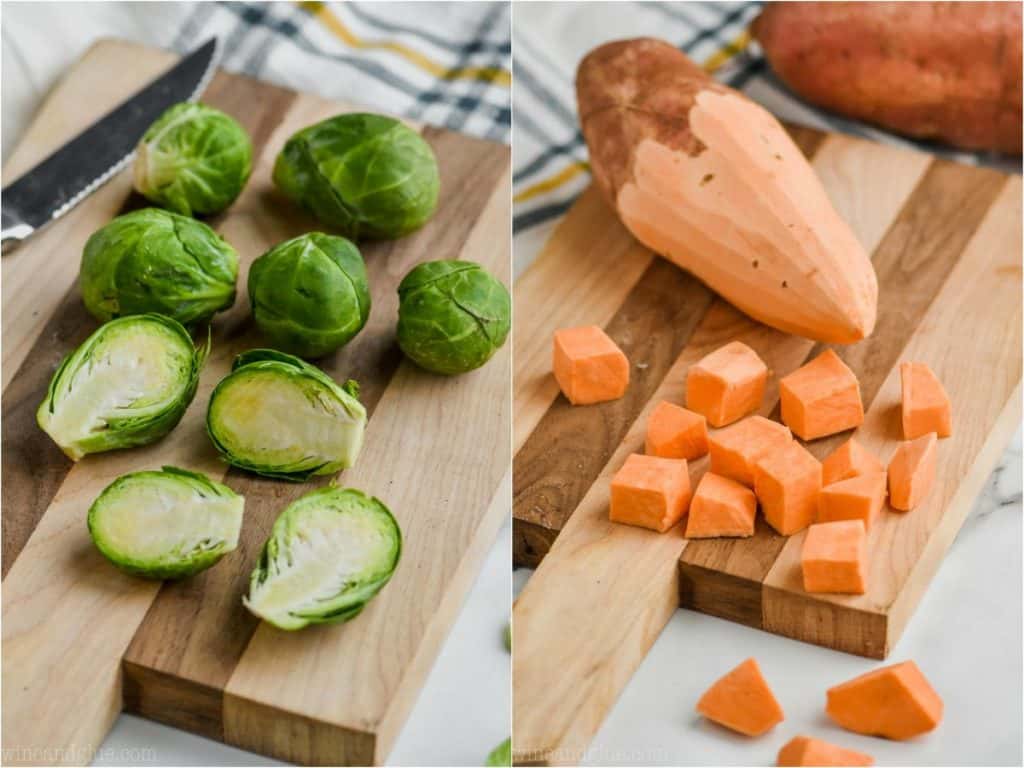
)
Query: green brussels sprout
[
  {"x": 309, "y": 295},
  {"x": 128, "y": 384},
  {"x": 193, "y": 160},
  {"x": 328, "y": 554},
  {"x": 279, "y": 416},
  {"x": 501, "y": 754},
  {"x": 370, "y": 176},
  {"x": 157, "y": 261},
  {"x": 165, "y": 524},
  {"x": 452, "y": 316}
]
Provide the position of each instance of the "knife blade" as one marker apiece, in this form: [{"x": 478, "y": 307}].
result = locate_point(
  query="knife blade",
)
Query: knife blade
[{"x": 69, "y": 175}]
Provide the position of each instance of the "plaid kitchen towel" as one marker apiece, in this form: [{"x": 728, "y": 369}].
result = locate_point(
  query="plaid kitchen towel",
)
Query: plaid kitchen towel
[
  {"x": 442, "y": 63},
  {"x": 549, "y": 155}
]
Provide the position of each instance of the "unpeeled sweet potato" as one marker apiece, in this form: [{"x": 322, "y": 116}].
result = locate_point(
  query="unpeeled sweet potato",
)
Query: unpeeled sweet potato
[
  {"x": 710, "y": 180},
  {"x": 949, "y": 71}
]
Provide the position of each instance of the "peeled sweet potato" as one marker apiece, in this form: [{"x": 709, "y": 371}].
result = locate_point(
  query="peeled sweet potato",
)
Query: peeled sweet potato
[
  {"x": 710, "y": 180},
  {"x": 948, "y": 71}
]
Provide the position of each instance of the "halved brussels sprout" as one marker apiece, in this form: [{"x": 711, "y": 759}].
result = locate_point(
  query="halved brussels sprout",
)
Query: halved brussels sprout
[
  {"x": 328, "y": 553},
  {"x": 128, "y": 384},
  {"x": 370, "y": 176},
  {"x": 452, "y": 316},
  {"x": 193, "y": 160},
  {"x": 279, "y": 416},
  {"x": 309, "y": 295},
  {"x": 501, "y": 754},
  {"x": 165, "y": 524},
  {"x": 157, "y": 261}
]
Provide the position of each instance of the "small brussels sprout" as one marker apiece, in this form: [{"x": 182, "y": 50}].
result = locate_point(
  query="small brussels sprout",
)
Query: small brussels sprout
[
  {"x": 309, "y": 295},
  {"x": 165, "y": 524},
  {"x": 128, "y": 384},
  {"x": 279, "y": 416},
  {"x": 156, "y": 261},
  {"x": 370, "y": 176},
  {"x": 452, "y": 316},
  {"x": 193, "y": 160},
  {"x": 501, "y": 754},
  {"x": 328, "y": 554}
]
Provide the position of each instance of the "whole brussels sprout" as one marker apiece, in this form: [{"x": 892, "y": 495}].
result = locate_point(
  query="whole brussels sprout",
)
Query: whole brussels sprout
[
  {"x": 501, "y": 754},
  {"x": 309, "y": 295},
  {"x": 328, "y": 554},
  {"x": 193, "y": 160},
  {"x": 279, "y": 416},
  {"x": 157, "y": 261},
  {"x": 128, "y": 384},
  {"x": 165, "y": 524},
  {"x": 452, "y": 316},
  {"x": 370, "y": 176}
]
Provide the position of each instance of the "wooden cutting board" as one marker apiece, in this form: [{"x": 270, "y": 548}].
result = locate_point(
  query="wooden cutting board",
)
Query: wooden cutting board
[
  {"x": 946, "y": 244},
  {"x": 80, "y": 639}
]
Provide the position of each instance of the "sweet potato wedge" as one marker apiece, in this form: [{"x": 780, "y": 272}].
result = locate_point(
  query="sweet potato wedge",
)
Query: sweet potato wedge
[
  {"x": 944, "y": 71},
  {"x": 707, "y": 178}
]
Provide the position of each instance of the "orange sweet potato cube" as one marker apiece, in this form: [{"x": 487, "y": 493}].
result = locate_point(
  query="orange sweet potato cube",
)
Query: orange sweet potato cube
[
  {"x": 650, "y": 492},
  {"x": 857, "y": 498},
  {"x": 735, "y": 449},
  {"x": 925, "y": 406},
  {"x": 912, "y": 472},
  {"x": 676, "y": 433},
  {"x": 895, "y": 702},
  {"x": 589, "y": 366},
  {"x": 742, "y": 701},
  {"x": 721, "y": 507},
  {"x": 835, "y": 557},
  {"x": 821, "y": 398},
  {"x": 787, "y": 481},
  {"x": 803, "y": 750},
  {"x": 849, "y": 460},
  {"x": 726, "y": 384}
]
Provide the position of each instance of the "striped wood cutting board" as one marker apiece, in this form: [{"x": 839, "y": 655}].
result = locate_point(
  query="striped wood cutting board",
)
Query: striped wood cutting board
[
  {"x": 946, "y": 244},
  {"x": 79, "y": 638}
]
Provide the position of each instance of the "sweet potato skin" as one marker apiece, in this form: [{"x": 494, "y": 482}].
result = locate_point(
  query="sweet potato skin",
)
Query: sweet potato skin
[{"x": 947, "y": 71}]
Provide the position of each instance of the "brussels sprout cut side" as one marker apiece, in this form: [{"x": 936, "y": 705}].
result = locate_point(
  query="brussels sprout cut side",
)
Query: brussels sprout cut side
[
  {"x": 309, "y": 295},
  {"x": 328, "y": 554},
  {"x": 452, "y": 316},
  {"x": 165, "y": 525},
  {"x": 128, "y": 384},
  {"x": 278, "y": 416},
  {"x": 156, "y": 261},
  {"x": 193, "y": 160},
  {"x": 370, "y": 176}
]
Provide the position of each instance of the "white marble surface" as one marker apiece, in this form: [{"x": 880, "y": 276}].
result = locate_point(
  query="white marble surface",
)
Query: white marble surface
[{"x": 965, "y": 636}]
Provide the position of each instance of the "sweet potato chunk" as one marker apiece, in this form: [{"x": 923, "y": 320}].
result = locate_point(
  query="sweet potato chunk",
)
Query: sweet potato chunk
[
  {"x": 835, "y": 557},
  {"x": 821, "y": 398},
  {"x": 849, "y": 460},
  {"x": 857, "y": 498},
  {"x": 721, "y": 507},
  {"x": 895, "y": 702},
  {"x": 735, "y": 449},
  {"x": 803, "y": 750},
  {"x": 726, "y": 384},
  {"x": 650, "y": 492},
  {"x": 925, "y": 406},
  {"x": 589, "y": 366},
  {"x": 787, "y": 481},
  {"x": 676, "y": 433},
  {"x": 742, "y": 701},
  {"x": 912, "y": 472}
]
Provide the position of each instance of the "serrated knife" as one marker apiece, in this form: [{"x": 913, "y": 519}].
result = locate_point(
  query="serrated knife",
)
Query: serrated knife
[{"x": 78, "y": 168}]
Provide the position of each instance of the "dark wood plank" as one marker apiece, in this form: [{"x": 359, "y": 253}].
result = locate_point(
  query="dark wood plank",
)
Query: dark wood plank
[
  {"x": 913, "y": 260},
  {"x": 569, "y": 447}
]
